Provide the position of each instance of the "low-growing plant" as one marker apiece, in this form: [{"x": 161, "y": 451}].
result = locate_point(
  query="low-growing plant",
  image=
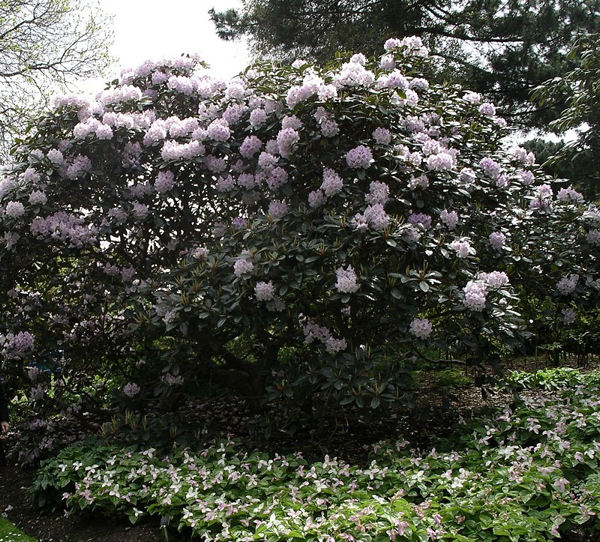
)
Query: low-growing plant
[
  {"x": 528, "y": 474},
  {"x": 546, "y": 379}
]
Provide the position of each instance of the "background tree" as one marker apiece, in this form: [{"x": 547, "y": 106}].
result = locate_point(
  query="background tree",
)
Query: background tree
[
  {"x": 579, "y": 157},
  {"x": 503, "y": 48},
  {"x": 44, "y": 46}
]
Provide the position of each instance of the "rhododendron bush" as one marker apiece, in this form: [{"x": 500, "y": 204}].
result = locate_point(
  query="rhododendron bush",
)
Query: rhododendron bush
[{"x": 301, "y": 229}]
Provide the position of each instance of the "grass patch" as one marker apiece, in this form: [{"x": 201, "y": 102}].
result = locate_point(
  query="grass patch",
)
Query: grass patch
[{"x": 10, "y": 533}]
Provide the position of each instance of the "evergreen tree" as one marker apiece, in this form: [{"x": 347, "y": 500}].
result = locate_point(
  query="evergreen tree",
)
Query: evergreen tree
[{"x": 502, "y": 48}]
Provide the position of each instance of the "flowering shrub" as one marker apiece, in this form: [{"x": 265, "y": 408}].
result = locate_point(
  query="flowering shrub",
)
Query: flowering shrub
[
  {"x": 528, "y": 474},
  {"x": 317, "y": 230}
]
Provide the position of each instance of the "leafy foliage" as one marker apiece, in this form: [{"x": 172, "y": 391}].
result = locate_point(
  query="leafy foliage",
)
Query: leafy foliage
[
  {"x": 300, "y": 234},
  {"x": 528, "y": 474}
]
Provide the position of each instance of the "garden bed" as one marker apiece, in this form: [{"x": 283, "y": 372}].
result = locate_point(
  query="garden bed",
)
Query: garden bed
[{"x": 498, "y": 481}]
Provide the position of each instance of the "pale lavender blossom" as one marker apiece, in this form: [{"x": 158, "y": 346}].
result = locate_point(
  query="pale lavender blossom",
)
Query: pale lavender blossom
[
  {"x": 490, "y": 167},
  {"x": 131, "y": 389},
  {"x": 567, "y": 284},
  {"x": 286, "y": 138},
  {"x": 291, "y": 121},
  {"x": 267, "y": 161},
  {"x": 278, "y": 208},
  {"x": 593, "y": 237},
  {"x": 495, "y": 279},
  {"x": 333, "y": 346},
  {"x": 475, "y": 295},
  {"x": 258, "y": 117},
  {"x": 462, "y": 248},
  {"x": 521, "y": 155},
  {"x": 569, "y": 315},
  {"x": 359, "y": 157},
  {"x": 225, "y": 184},
  {"x": 568, "y": 195},
  {"x": 487, "y": 109},
  {"x": 332, "y": 183},
  {"x": 139, "y": 210},
  {"x": 250, "y": 146},
  {"x": 14, "y": 209},
  {"x": 497, "y": 239},
  {"x": 200, "y": 253},
  {"x": 242, "y": 266},
  {"x": 467, "y": 176},
  {"x": 171, "y": 380},
  {"x": 375, "y": 216},
  {"x": 18, "y": 345},
  {"x": 418, "y": 182},
  {"x": 378, "y": 193},
  {"x": 264, "y": 291},
  {"x": 472, "y": 97},
  {"x": 382, "y": 136},
  {"x": 353, "y": 74},
  {"x": 387, "y": 62},
  {"x": 421, "y": 328},
  {"x": 449, "y": 218},
  {"x": 329, "y": 128},
  {"x": 441, "y": 161},
  {"x": 316, "y": 198},
  {"x": 346, "y": 282},
  {"x": 165, "y": 180},
  {"x": 420, "y": 219},
  {"x": 218, "y": 130},
  {"x": 56, "y": 157}
]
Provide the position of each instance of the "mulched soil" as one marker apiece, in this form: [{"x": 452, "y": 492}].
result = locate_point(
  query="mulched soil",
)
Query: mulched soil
[{"x": 352, "y": 443}]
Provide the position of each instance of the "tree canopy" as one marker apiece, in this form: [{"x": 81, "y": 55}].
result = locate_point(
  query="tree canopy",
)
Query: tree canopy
[
  {"x": 580, "y": 112},
  {"x": 44, "y": 46},
  {"x": 503, "y": 48}
]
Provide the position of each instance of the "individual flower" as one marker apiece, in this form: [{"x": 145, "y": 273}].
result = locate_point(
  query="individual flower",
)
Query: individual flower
[
  {"x": 382, "y": 136},
  {"x": 462, "y": 247},
  {"x": 278, "y": 209},
  {"x": 316, "y": 198},
  {"x": 420, "y": 219},
  {"x": 264, "y": 291},
  {"x": 14, "y": 209},
  {"x": 346, "y": 282},
  {"x": 449, "y": 218},
  {"x": 568, "y": 316},
  {"x": 567, "y": 284},
  {"x": 131, "y": 389},
  {"x": 441, "y": 161},
  {"x": 495, "y": 279},
  {"x": 37, "y": 197},
  {"x": 332, "y": 183},
  {"x": 359, "y": 157},
  {"x": 250, "y": 146},
  {"x": 487, "y": 109},
  {"x": 497, "y": 239},
  {"x": 165, "y": 180},
  {"x": 475, "y": 295},
  {"x": 421, "y": 328},
  {"x": 378, "y": 193},
  {"x": 242, "y": 266}
]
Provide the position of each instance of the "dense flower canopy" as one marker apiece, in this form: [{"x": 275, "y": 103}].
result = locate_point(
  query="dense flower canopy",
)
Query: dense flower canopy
[{"x": 292, "y": 220}]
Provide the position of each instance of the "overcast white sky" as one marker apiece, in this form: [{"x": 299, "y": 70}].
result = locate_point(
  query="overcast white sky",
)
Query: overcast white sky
[{"x": 153, "y": 29}]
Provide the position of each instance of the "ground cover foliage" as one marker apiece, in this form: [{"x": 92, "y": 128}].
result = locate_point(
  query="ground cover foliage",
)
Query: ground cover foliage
[{"x": 523, "y": 472}]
